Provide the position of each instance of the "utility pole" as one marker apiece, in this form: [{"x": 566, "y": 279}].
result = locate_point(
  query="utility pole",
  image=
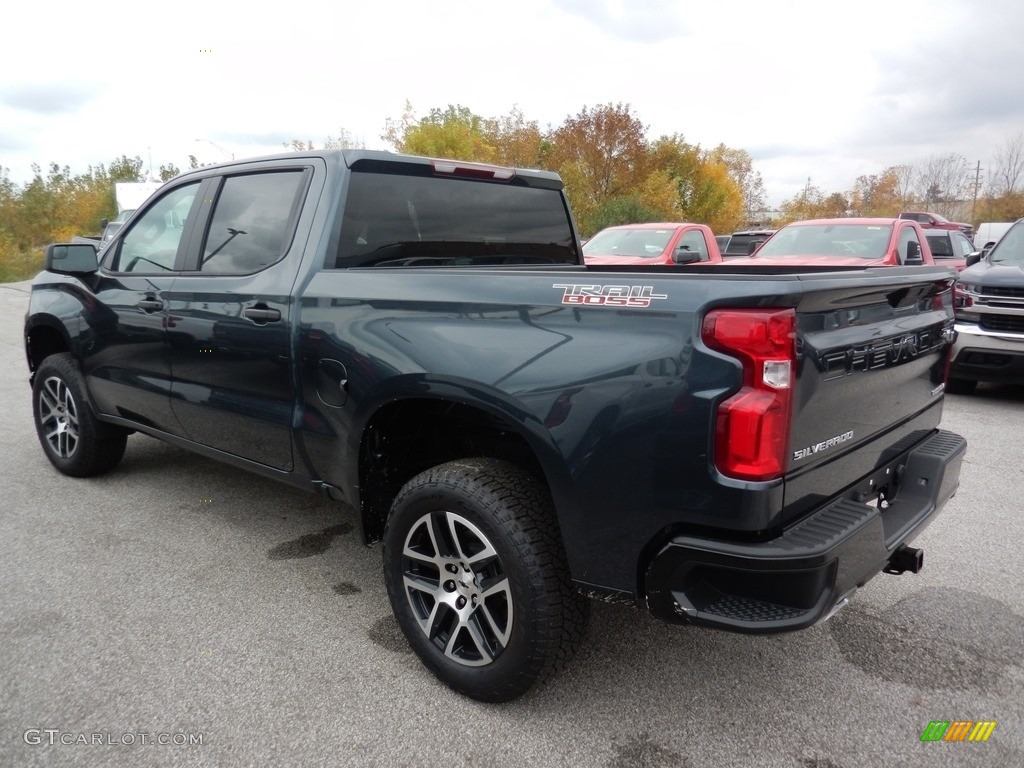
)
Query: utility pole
[{"x": 977, "y": 187}]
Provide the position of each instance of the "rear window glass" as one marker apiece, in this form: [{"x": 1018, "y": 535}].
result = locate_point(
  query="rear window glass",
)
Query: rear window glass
[{"x": 398, "y": 220}]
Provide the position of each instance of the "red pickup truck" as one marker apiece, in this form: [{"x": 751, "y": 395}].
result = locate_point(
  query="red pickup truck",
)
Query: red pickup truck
[
  {"x": 845, "y": 242},
  {"x": 653, "y": 243}
]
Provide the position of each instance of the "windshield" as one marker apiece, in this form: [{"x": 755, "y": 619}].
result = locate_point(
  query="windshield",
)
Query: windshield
[
  {"x": 643, "y": 243},
  {"x": 1010, "y": 249},
  {"x": 866, "y": 241}
]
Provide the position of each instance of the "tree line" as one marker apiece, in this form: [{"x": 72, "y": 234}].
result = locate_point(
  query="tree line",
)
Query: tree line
[
  {"x": 945, "y": 184},
  {"x": 613, "y": 174},
  {"x": 55, "y": 206}
]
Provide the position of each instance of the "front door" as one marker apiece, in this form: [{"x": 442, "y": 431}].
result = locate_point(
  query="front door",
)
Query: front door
[{"x": 126, "y": 360}]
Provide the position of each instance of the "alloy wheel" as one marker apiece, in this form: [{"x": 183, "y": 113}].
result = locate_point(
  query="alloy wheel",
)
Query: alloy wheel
[
  {"x": 58, "y": 416},
  {"x": 457, "y": 588}
]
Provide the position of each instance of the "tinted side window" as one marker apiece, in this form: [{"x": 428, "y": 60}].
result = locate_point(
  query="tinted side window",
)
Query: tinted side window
[
  {"x": 253, "y": 222},
  {"x": 941, "y": 247},
  {"x": 151, "y": 245}
]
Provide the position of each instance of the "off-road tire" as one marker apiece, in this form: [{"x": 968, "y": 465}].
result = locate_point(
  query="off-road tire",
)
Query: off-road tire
[
  {"x": 73, "y": 439},
  {"x": 478, "y": 580}
]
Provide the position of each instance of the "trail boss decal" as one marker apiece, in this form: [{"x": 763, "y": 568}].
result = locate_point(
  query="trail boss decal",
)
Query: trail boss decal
[
  {"x": 824, "y": 445},
  {"x": 634, "y": 296}
]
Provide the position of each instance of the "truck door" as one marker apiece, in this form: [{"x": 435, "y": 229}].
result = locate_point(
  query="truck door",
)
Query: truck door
[
  {"x": 230, "y": 312},
  {"x": 127, "y": 363}
]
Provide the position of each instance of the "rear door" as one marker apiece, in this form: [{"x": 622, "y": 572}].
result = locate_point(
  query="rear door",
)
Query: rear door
[{"x": 230, "y": 312}]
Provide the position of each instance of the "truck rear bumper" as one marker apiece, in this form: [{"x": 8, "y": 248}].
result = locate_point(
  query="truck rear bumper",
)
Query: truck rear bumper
[{"x": 802, "y": 576}]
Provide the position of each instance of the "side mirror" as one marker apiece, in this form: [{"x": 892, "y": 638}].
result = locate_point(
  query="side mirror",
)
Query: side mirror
[
  {"x": 71, "y": 258},
  {"x": 975, "y": 257},
  {"x": 685, "y": 256},
  {"x": 753, "y": 246},
  {"x": 103, "y": 224},
  {"x": 914, "y": 257}
]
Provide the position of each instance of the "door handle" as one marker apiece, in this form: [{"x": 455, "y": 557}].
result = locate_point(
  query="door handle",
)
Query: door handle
[
  {"x": 150, "y": 305},
  {"x": 261, "y": 315}
]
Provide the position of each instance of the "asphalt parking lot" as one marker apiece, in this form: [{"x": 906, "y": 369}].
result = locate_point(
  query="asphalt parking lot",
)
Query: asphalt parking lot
[{"x": 179, "y": 600}]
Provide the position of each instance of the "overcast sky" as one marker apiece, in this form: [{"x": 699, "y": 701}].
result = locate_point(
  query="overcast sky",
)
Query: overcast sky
[{"x": 816, "y": 89}]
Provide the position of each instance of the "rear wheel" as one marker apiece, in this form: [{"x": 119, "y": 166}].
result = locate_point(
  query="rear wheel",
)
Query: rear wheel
[
  {"x": 73, "y": 439},
  {"x": 478, "y": 580}
]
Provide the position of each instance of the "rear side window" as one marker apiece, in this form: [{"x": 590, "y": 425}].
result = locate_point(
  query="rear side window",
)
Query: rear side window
[
  {"x": 253, "y": 222},
  {"x": 399, "y": 220},
  {"x": 941, "y": 247}
]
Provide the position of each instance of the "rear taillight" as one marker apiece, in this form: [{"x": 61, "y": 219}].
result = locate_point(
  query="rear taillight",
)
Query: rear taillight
[{"x": 752, "y": 426}]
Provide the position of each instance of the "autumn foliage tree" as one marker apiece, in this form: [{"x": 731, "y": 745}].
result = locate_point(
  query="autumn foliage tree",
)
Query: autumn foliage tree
[
  {"x": 612, "y": 173},
  {"x": 55, "y": 206}
]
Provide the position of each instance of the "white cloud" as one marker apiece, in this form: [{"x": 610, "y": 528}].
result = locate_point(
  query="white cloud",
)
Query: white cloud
[{"x": 811, "y": 89}]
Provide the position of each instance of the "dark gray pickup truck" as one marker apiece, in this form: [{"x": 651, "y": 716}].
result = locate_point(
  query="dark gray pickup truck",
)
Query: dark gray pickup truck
[{"x": 420, "y": 339}]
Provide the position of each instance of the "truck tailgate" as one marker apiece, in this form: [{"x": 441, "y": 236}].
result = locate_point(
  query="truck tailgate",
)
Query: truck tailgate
[{"x": 870, "y": 369}]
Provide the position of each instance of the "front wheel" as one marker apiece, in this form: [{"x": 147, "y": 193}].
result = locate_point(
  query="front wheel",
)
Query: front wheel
[
  {"x": 73, "y": 439},
  {"x": 478, "y": 580}
]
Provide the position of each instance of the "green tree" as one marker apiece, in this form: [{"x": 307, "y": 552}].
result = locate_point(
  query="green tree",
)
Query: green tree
[
  {"x": 740, "y": 167},
  {"x": 713, "y": 198},
  {"x": 344, "y": 140},
  {"x": 808, "y": 204},
  {"x": 624, "y": 209},
  {"x": 125, "y": 168},
  {"x": 454, "y": 132},
  {"x": 706, "y": 190},
  {"x": 518, "y": 142}
]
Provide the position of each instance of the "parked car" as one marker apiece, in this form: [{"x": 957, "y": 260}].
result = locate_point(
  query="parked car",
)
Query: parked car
[
  {"x": 845, "y": 242},
  {"x": 935, "y": 221},
  {"x": 653, "y": 243},
  {"x": 950, "y": 248},
  {"x": 743, "y": 242},
  {"x": 989, "y": 232},
  {"x": 989, "y": 304}
]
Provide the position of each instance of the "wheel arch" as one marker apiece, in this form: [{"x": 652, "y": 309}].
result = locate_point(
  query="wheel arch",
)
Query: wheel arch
[
  {"x": 403, "y": 434},
  {"x": 44, "y": 336}
]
